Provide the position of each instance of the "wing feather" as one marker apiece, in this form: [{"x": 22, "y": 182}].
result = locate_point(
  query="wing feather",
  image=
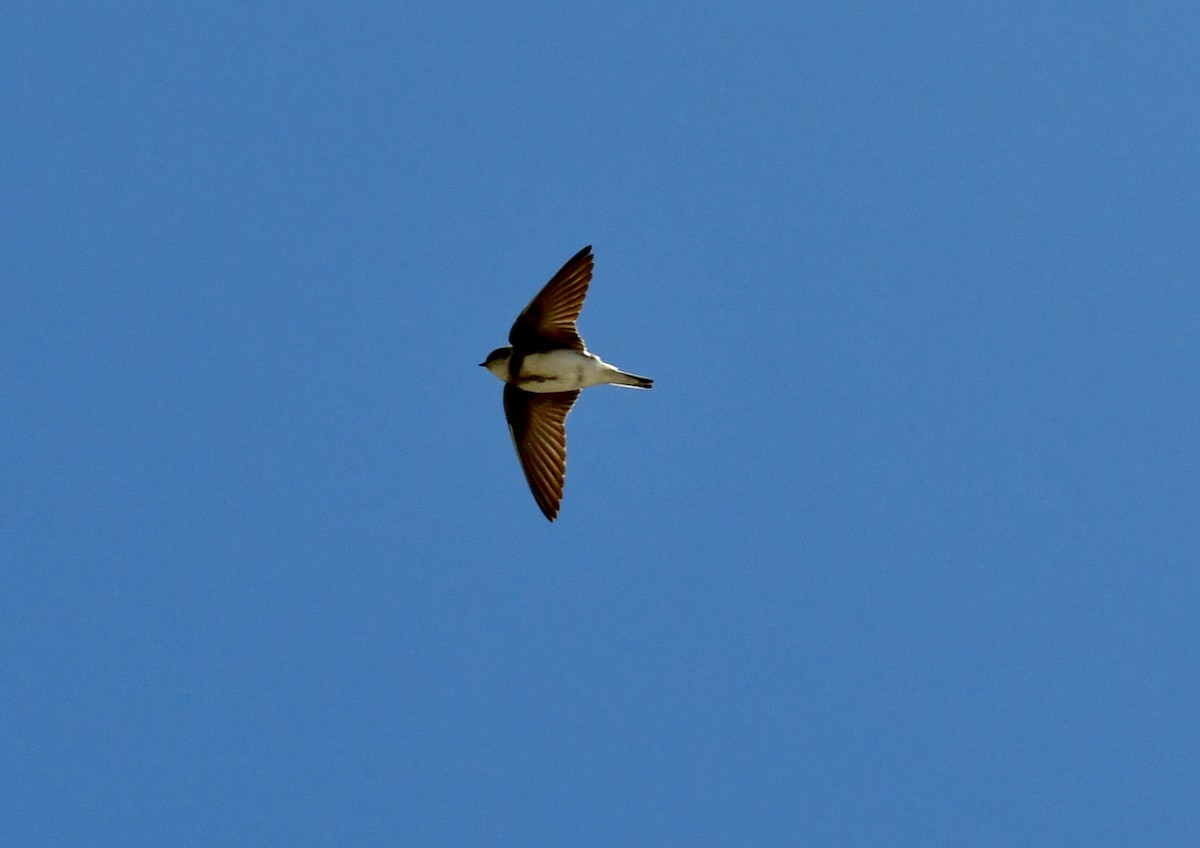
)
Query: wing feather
[
  {"x": 537, "y": 422},
  {"x": 549, "y": 319}
]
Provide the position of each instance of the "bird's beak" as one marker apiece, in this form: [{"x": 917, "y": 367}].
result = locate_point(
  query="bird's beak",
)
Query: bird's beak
[{"x": 483, "y": 365}]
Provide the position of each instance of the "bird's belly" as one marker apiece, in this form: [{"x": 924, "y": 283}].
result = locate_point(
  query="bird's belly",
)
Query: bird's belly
[{"x": 558, "y": 371}]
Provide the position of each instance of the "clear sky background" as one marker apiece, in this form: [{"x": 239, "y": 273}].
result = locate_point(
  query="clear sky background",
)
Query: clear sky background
[{"x": 902, "y": 549}]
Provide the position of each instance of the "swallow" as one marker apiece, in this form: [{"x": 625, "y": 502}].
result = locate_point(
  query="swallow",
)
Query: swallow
[{"x": 544, "y": 368}]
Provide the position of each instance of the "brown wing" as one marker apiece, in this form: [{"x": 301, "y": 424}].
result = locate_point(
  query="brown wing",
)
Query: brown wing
[
  {"x": 549, "y": 319},
  {"x": 537, "y": 423}
]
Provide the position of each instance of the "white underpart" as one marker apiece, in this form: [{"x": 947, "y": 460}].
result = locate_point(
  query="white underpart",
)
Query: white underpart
[
  {"x": 564, "y": 370},
  {"x": 561, "y": 371}
]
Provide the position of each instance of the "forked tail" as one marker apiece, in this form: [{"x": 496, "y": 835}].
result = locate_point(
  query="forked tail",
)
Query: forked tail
[{"x": 621, "y": 378}]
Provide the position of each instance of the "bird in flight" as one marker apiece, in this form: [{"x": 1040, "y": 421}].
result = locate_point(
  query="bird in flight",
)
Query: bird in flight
[{"x": 543, "y": 370}]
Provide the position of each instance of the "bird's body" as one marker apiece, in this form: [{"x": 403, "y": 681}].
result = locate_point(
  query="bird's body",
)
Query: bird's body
[
  {"x": 544, "y": 370},
  {"x": 563, "y": 370}
]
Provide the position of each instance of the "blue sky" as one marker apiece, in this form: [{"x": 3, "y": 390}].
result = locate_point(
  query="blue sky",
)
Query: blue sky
[{"x": 901, "y": 549}]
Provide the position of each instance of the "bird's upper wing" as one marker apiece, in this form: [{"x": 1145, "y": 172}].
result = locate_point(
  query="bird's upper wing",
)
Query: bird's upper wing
[
  {"x": 537, "y": 422},
  {"x": 549, "y": 319}
]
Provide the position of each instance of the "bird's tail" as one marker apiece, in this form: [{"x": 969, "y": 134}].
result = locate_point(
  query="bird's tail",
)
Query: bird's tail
[{"x": 621, "y": 378}]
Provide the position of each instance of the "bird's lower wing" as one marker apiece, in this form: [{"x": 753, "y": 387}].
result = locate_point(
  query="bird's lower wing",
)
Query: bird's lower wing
[{"x": 537, "y": 422}]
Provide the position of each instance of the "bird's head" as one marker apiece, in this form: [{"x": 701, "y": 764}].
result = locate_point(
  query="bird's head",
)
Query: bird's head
[{"x": 497, "y": 362}]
